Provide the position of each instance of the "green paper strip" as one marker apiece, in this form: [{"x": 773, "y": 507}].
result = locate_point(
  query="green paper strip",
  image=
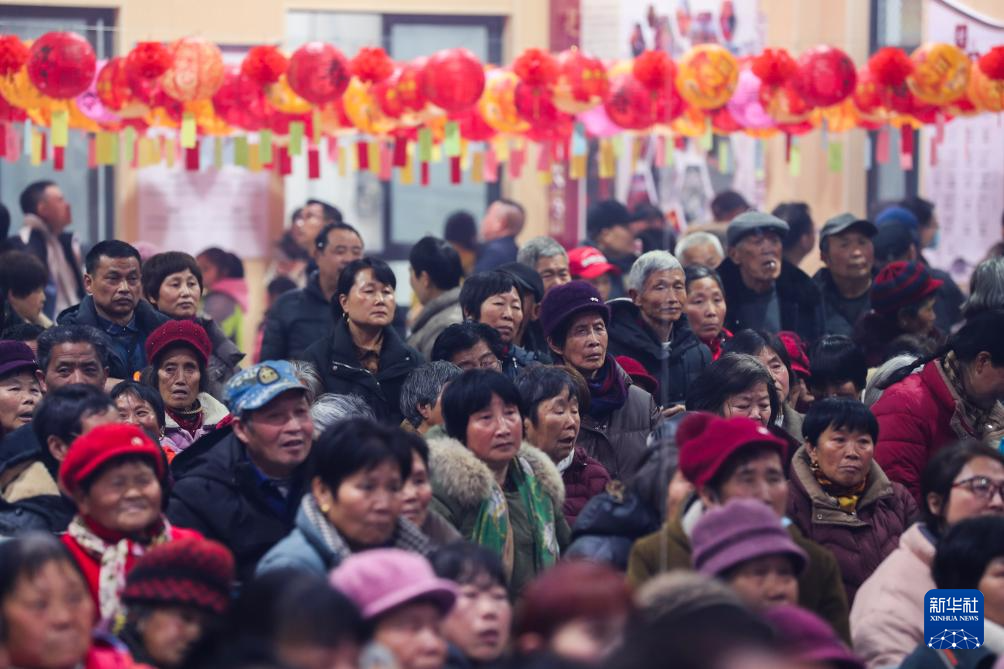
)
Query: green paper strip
[
  {"x": 129, "y": 142},
  {"x": 265, "y": 146},
  {"x": 241, "y": 150},
  {"x": 425, "y": 145},
  {"x": 835, "y": 156},
  {"x": 60, "y": 127},
  {"x": 795, "y": 164},
  {"x": 218, "y": 152},
  {"x": 451, "y": 143},
  {"x": 724, "y": 165},
  {"x": 618, "y": 145},
  {"x": 296, "y": 138},
  {"x": 670, "y": 152},
  {"x": 706, "y": 139},
  {"x": 315, "y": 126}
]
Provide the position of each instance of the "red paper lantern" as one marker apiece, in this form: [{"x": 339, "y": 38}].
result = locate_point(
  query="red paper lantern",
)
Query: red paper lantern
[
  {"x": 372, "y": 65},
  {"x": 582, "y": 82},
  {"x": 240, "y": 101},
  {"x": 454, "y": 79},
  {"x": 654, "y": 69},
  {"x": 401, "y": 93},
  {"x": 318, "y": 72},
  {"x": 113, "y": 85},
  {"x": 472, "y": 126},
  {"x": 669, "y": 104},
  {"x": 61, "y": 65},
  {"x": 825, "y": 76},
  {"x": 630, "y": 104},
  {"x": 264, "y": 65},
  {"x": 13, "y": 54},
  {"x": 196, "y": 71}
]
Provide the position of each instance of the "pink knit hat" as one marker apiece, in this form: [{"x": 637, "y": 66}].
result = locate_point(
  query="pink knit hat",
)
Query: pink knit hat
[
  {"x": 741, "y": 530},
  {"x": 385, "y": 578}
]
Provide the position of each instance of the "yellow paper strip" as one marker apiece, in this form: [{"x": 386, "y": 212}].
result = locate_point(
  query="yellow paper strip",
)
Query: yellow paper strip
[
  {"x": 342, "y": 159},
  {"x": 36, "y": 147},
  {"x": 545, "y": 177},
  {"x": 188, "y": 130},
  {"x": 501, "y": 145},
  {"x": 142, "y": 152},
  {"x": 477, "y": 167},
  {"x": 170, "y": 153},
  {"x": 254, "y": 158},
  {"x": 373, "y": 156},
  {"x": 637, "y": 148},
  {"x": 577, "y": 168},
  {"x": 315, "y": 126},
  {"x": 156, "y": 155},
  {"x": 437, "y": 153},
  {"x": 106, "y": 148},
  {"x": 60, "y": 127},
  {"x": 607, "y": 162},
  {"x": 406, "y": 176}
]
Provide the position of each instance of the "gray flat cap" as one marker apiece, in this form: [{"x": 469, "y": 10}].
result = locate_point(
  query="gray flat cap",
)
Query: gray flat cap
[
  {"x": 749, "y": 222},
  {"x": 843, "y": 222}
]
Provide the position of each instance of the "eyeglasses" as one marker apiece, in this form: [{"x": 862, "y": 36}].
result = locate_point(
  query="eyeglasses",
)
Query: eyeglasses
[
  {"x": 487, "y": 362},
  {"x": 982, "y": 488}
]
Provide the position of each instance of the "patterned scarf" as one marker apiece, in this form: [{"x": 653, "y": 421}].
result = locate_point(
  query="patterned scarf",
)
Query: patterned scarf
[
  {"x": 113, "y": 556},
  {"x": 977, "y": 419},
  {"x": 407, "y": 536},
  {"x": 847, "y": 498},
  {"x": 494, "y": 531},
  {"x": 607, "y": 391}
]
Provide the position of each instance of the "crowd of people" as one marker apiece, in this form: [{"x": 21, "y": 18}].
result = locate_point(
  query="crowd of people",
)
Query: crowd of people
[{"x": 637, "y": 449}]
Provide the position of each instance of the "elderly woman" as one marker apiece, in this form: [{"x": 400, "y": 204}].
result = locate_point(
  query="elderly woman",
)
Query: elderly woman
[
  {"x": 174, "y": 596},
  {"x": 329, "y": 409},
  {"x": 737, "y": 385},
  {"x": 421, "y": 394},
  {"x": 770, "y": 350},
  {"x": 839, "y": 497},
  {"x": 469, "y": 345},
  {"x": 354, "y": 503},
  {"x": 705, "y": 308},
  {"x": 45, "y": 612},
  {"x": 888, "y": 613},
  {"x": 902, "y": 298},
  {"x": 986, "y": 288},
  {"x": 650, "y": 326},
  {"x": 20, "y": 385},
  {"x": 621, "y": 415},
  {"x": 178, "y": 352},
  {"x": 416, "y": 499},
  {"x": 140, "y": 405},
  {"x": 552, "y": 400},
  {"x": 364, "y": 355},
  {"x": 956, "y": 395},
  {"x": 404, "y": 603},
  {"x": 172, "y": 283},
  {"x": 497, "y": 490},
  {"x": 493, "y": 298},
  {"x": 116, "y": 476}
]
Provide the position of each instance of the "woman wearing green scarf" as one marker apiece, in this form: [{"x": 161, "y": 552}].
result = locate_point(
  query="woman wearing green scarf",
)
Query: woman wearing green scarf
[{"x": 498, "y": 491}]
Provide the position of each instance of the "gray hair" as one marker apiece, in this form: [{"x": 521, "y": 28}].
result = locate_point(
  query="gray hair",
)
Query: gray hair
[
  {"x": 423, "y": 386},
  {"x": 330, "y": 408},
  {"x": 986, "y": 288},
  {"x": 647, "y": 264},
  {"x": 73, "y": 334},
  {"x": 874, "y": 387},
  {"x": 539, "y": 247},
  {"x": 307, "y": 374},
  {"x": 698, "y": 239}
]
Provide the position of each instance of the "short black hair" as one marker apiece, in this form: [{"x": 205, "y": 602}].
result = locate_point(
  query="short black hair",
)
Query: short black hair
[
  {"x": 539, "y": 383},
  {"x": 323, "y": 237},
  {"x": 697, "y": 272},
  {"x": 32, "y": 195},
  {"x": 727, "y": 202},
  {"x": 332, "y": 214},
  {"x": 144, "y": 393},
  {"x": 966, "y": 550},
  {"x": 462, "y": 336},
  {"x": 22, "y": 332},
  {"x": 480, "y": 287},
  {"x": 606, "y": 214},
  {"x": 25, "y": 556},
  {"x": 752, "y": 342},
  {"x": 110, "y": 248},
  {"x": 21, "y": 274},
  {"x": 162, "y": 265},
  {"x": 465, "y": 563},
  {"x": 228, "y": 265},
  {"x": 919, "y": 207},
  {"x": 939, "y": 474},
  {"x": 836, "y": 359},
  {"x": 354, "y": 445},
  {"x": 472, "y": 392},
  {"x": 461, "y": 228},
  {"x": 731, "y": 374},
  {"x": 526, "y": 278},
  {"x": 381, "y": 272},
  {"x": 838, "y": 412},
  {"x": 439, "y": 260},
  {"x": 73, "y": 334},
  {"x": 280, "y": 285},
  {"x": 61, "y": 412},
  {"x": 799, "y": 220}
]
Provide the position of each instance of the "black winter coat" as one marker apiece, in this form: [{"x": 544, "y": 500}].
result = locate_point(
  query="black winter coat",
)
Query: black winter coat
[
  {"x": 218, "y": 493},
  {"x": 46, "y": 513},
  {"x": 799, "y": 298},
  {"x": 675, "y": 368},
  {"x": 336, "y": 361},
  {"x": 296, "y": 320}
]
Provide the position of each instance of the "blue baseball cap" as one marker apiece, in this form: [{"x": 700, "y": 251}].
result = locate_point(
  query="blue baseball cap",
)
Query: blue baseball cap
[{"x": 256, "y": 386}]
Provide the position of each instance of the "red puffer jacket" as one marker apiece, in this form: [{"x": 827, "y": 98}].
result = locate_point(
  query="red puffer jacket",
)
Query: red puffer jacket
[
  {"x": 917, "y": 417},
  {"x": 584, "y": 479}
]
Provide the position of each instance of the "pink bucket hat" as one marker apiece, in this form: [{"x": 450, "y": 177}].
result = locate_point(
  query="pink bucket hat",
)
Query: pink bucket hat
[{"x": 385, "y": 578}]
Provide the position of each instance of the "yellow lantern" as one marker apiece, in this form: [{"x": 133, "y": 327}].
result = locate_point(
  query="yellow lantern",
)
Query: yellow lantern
[
  {"x": 364, "y": 112},
  {"x": 196, "y": 71},
  {"x": 707, "y": 75},
  {"x": 282, "y": 97},
  {"x": 984, "y": 92},
  {"x": 940, "y": 73},
  {"x": 498, "y": 102}
]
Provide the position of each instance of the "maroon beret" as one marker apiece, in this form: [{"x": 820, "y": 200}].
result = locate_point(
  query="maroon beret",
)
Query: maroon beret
[{"x": 707, "y": 441}]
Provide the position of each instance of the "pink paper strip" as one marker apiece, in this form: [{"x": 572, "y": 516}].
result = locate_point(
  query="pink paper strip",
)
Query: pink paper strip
[
  {"x": 882, "y": 145},
  {"x": 491, "y": 166},
  {"x": 386, "y": 161}
]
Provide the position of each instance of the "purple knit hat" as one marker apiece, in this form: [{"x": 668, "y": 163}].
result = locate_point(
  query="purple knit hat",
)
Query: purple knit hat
[
  {"x": 901, "y": 284},
  {"x": 571, "y": 299},
  {"x": 809, "y": 638},
  {"x": 385, "y": 578},
  {"x": 741, "y": 530}
]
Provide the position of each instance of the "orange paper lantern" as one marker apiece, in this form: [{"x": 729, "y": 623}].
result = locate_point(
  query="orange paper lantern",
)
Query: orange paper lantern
[
  {"x": 984, "y": 92},
  {"x": 498, "y": 102},
  {"x": 707, "y": 75},
  {"x": 196, "y": 71},
  {"x": 113, "y": 85},
  {"x": 940, "y": 73},
  {"x": 281, "y": 96}
]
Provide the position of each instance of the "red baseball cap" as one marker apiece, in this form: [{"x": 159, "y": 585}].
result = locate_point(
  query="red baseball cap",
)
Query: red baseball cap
[{"x": 586, "y": 262}]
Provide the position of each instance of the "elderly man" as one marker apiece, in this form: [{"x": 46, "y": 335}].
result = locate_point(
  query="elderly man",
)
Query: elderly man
[
  {"x": 242, "y": 485},
  {"x": 700, "y": 248},
  {"x": 503, "y": 221},
  {"x": 762, "y": 290},
  {"x": 422, "y": 394},
  {"x": 113, "y": 305},
  {"x": 845, "y": 244},
  {"x": 548, "y": 258}
]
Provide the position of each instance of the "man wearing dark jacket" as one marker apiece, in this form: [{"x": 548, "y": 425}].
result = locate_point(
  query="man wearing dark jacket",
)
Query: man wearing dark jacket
[
  {"x": 503, "y": 221},
  {"x": 301, "y": 317},
  {"x": 242, "y": 485},
  {"x": 114, "y": 306},
  {"x": 46, "y": 217},
  {"x": 845, "y": 244},
  {"x": 762, "y": 291}
]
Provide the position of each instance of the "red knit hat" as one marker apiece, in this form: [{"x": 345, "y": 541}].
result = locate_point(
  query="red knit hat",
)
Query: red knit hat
[
  {"x": 179, "y": 332},
  {"x": 89, "y": 452},
  {"x": 900, "y": 284},
  {"x": 192, "y": 572},
  {"x": 707, "y": 441},
  {"x": 638, "y": 374}
]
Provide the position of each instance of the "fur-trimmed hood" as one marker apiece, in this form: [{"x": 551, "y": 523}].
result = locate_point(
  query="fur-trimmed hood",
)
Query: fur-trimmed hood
[{"x": 460, "y": 476}]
